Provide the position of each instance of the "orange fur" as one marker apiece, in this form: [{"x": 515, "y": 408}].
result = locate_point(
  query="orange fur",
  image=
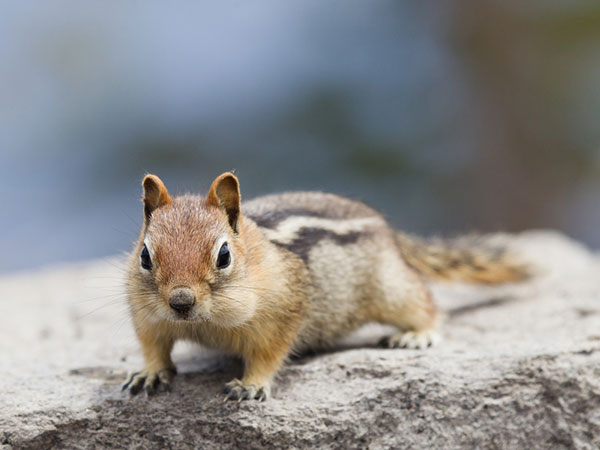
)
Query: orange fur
[
  {"x": 470, "y": 259},
  {"x": 155, "y": 194},
  {"x": 304, "y": 269}
]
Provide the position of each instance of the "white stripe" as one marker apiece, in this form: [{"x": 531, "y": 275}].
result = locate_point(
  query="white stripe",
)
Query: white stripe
[
  {"x": 287, "y": 230},
  {"x": 148, "y": 244}
]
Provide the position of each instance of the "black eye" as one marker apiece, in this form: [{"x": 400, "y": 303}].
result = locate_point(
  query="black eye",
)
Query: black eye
[
  {"x": 145, "y": 259},
  {"x": 224, "y": 257}
]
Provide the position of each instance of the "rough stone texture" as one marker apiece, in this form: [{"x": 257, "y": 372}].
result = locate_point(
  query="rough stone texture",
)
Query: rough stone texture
[{"x": 519, "y": 368}]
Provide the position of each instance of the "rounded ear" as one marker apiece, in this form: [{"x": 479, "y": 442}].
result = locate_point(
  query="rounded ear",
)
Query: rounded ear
[
  {"x": 224, "y": 193},
  {"x": 155, "y": 195}
]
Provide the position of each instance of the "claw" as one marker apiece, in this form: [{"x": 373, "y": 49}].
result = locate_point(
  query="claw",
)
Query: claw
[
  {"x": 149, "y": 390},
  {"x": 135, "y": 388},
  {"x": 150, "y": 382},
  {"x": 412, "y": 339},
  {"x": 237, "y": 390},
  {"x": 232, "y": 395},
  {"x": 129, "y": 380}
]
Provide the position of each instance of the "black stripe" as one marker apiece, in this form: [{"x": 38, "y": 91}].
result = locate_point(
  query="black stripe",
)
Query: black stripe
[
  {"x": 308, "y": 237},
  {"x": 272, "y": 218}
]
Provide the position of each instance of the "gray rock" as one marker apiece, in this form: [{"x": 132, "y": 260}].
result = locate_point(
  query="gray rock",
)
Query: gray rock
[{"x": 519, "y": 368}]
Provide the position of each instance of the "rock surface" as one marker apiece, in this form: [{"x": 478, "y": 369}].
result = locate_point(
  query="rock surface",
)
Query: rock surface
[{"x": 519, "y": 368}]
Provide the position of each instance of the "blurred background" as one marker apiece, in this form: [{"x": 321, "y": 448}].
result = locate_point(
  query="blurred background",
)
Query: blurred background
[{"x": 447, "y": 116}]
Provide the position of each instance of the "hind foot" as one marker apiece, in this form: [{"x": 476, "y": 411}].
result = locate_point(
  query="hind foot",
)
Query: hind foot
[{"x": 412, "y": 339}]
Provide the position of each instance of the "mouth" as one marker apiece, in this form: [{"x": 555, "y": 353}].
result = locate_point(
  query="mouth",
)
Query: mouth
[
  {"x": 183, "y": 317},
  {"x": 189, "y": 317}
]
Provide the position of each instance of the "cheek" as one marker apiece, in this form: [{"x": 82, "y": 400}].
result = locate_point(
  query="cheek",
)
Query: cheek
[{"x": 233, "y": 307}]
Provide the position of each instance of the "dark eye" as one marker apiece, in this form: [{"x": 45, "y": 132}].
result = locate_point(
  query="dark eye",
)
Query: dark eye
[
  {"x": 224, "y": 257},
  {"x": 145, "y": 259}
]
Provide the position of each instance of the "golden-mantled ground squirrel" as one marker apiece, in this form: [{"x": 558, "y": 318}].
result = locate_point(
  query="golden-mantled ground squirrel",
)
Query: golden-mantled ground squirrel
[{"x": 282, "y": 274}]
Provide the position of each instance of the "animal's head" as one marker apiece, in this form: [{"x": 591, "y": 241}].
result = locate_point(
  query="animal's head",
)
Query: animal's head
[{"x": 191, "y": 255}]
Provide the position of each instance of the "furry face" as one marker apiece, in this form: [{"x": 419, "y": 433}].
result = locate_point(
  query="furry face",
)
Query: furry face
[{"x": 191, "y": 264}]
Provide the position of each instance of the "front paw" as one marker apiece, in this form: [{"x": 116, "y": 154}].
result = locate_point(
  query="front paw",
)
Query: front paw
[
  {"x": 149, "y": 380},
  {"x": 238, "y": 390}
]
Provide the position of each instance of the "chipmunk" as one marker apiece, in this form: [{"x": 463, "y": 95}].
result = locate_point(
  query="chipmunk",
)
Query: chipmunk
[{"x": 282, "y": 274}]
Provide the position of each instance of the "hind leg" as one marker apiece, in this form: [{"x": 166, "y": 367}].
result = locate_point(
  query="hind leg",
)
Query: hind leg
[
  {"x": 406, "y": 303},
  {"x": 417, "y": 319}
]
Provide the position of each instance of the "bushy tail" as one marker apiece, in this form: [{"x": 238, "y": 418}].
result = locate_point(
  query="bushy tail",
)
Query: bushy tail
[{"x": 475, "y": 259}]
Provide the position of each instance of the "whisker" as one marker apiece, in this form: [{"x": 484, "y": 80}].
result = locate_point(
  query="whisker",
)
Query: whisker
[
  {"x": 95, "y": 310},
  {"x": 251, "y": 288}
]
